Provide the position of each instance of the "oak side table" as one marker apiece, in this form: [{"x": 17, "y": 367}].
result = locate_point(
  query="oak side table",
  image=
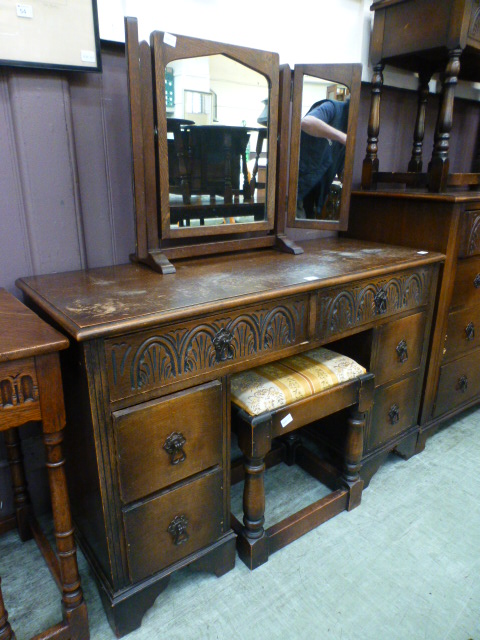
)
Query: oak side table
[{"x": 31, "y": 389}]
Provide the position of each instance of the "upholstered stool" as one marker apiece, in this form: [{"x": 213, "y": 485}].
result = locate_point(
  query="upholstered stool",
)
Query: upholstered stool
[{"x": 277, "y": 399}]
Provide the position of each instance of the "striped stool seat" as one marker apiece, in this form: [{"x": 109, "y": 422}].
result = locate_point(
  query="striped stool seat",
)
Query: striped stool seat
[
  {"x": 279, "y": 398},
  {"x": 280, "y": 383}
]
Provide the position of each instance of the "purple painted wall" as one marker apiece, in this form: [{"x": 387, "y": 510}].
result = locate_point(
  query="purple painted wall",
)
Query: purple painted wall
[{"x": 66, "y": 180}]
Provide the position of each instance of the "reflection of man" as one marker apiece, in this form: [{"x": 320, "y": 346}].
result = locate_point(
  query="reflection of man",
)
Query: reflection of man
[{"x": 322, "y": 154}]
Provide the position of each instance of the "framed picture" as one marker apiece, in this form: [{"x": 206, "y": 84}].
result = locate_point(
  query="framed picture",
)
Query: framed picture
[{"x": 53, "y": 34}]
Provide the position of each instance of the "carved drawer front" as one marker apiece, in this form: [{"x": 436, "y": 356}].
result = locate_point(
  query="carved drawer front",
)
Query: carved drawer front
[
  {"x": 399, "y": 348},
  {"x": 341, "y": 309},
  {"x": 463, "y": 332},
  {"x": 470, "y": 234},
  {"x": 459, "y": 382},
  {"x": 394, "y": 411},
  {"x": 164, "y": 441},
  {"x": 466, "y": 289},
  {"x": 171, "y": 526},
  {"x": 143, "y": 361},
  {"x": 19, "y": 401}
]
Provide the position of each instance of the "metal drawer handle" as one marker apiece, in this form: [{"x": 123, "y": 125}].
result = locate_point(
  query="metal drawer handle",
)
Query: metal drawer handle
[
  {"x": 222, "y": 343},
  {"x": 178, "y": 530},
  {"x": 462, "y": 384},
  {"x": 470, "y": 331},
  {"x": 174, "y": 447},
  {"x": 402, "y": 351},
  {"x": 380, "y": 301},
  {"x": 476, "y": 281},
  {"x": 394, "y": 414}
]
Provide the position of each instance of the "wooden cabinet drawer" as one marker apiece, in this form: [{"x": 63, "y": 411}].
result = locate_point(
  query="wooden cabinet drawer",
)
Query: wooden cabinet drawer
[
  {"x": 164, "y": 441},
  {"x": 341, "y": 309},
  {"x": 466, "y": 290},
  {"x": 153, "y": 540},
  {"x": 470, "y": 234},
  {"x": 459, "y": 382},
  {"x": 463, "y": 332},
  {"x": 153, "y": 359},
  {"x": 394, "y": 411},
  {"x": 399, "y": 348}
]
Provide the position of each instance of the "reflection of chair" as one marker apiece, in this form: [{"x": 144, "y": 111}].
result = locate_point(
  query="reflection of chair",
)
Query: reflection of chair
[
  {"x": 280, "y": 398},
  {"x": 178, "y": 161}
]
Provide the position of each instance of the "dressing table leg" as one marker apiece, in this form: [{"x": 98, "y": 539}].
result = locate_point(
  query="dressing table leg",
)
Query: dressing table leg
[{"x": 439, "y": 164}]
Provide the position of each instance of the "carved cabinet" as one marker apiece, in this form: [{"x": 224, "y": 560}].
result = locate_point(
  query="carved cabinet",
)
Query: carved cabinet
[
  {"x": 449, "y": 223},
  {"x": 147, "y": 388}
]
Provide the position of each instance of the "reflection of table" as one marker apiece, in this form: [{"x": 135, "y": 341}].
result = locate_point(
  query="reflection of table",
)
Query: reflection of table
[
  {"x": 31, "y": 389},
  {"x": 209, "y": 160},
  {"x": 425, "y": 36}
]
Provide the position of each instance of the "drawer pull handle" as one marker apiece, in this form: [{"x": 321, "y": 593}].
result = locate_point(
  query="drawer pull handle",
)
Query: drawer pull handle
[
  {"x": 380, "y": 301},
  {"x": 476, "y": 282},
  {"x": 402, "y": 351},
  {"x": 394, "y": 414},
  {"x": 178, "y": 530},
  {"x": 174, "y": 447},
  {"x": 470, "y": 331},
  {"x": 222, "y": 343},
  {"x": 462, "y": 384}
]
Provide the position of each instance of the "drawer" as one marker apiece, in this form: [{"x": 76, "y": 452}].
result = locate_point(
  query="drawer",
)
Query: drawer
[
  {"x": 463, "y": 332},
  {"x": 341, "y": 309},
  {"x": 470, "y": 234},
  {"x": 164, "y": 441},
  {"x": 459, "y": 383},
  {"x": 171, "y": 526},
  {"x": 152, "y": 359},
  {"x": 466, "y": 290},
  {"x": 399, "y": 348},
  {"x": 395, "y": 410}
]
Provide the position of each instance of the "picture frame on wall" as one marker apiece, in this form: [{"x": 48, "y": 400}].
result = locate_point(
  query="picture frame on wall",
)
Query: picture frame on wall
[{"x": 51, "y": 34}]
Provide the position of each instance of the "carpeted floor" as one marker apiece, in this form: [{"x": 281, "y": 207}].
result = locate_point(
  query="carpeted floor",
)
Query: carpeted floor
[{"x": 405, "y": 565}]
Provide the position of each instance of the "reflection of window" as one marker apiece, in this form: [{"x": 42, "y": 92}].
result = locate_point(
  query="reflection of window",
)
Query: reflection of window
[{"x": 199, "y": 104}]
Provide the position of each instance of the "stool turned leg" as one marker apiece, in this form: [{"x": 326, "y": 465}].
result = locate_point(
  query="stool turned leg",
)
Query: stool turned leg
[
  {"x": 6, "y": 632},
  {"x": 19, "y": 483},
  {"x": 370, "y": 163},
  {"x": 439, "y": 164},
  {"x": 255, "y": 442},
  {"x": 353, "y": 457},
  {"x": 416, "y": 162}
]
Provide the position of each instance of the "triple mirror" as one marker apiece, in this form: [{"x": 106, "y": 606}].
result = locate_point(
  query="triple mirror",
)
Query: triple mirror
[{"x": 324, "y": 114}]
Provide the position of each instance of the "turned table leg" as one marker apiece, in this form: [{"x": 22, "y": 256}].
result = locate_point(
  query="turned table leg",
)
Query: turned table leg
[
  {"x": 6, "y": 632},
  {"x": 19, "y": 483},
  {"x": 416, "y": 161},
  {"x": 439, "y": 164},
  {"x": 53, "y": 421},
  {"x": 370, "y": 163}
]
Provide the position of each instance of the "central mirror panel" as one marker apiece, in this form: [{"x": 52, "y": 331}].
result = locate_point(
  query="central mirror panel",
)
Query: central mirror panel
[
  {"x": 217, "y": 140},
  {"x": 216, "y": 126},
  {"x": 324, "y": 119}
]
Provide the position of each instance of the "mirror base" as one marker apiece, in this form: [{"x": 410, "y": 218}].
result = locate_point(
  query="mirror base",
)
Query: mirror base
[{"x": 156, "y": 260}]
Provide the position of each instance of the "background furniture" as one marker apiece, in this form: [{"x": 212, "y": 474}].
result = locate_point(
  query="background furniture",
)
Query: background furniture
[
  {"x": 449, "y": 223},
  {"x": 425, "y": 36},
  {"x": 31, "y": 389},
  {"x": 148, "y": 368},
  {"x": 280, "y": 398}
]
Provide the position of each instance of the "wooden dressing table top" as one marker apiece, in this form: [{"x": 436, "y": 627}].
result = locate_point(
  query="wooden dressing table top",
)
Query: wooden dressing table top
[{"x": 109, "y": 300}]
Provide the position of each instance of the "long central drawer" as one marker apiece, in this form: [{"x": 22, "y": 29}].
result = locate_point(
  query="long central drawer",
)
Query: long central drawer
[{"x": 153, "y": 359}]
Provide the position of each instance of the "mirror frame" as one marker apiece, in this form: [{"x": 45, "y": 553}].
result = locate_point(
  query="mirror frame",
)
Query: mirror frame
[
  {"x": 349, "y": 75},
  {"x": 264, "y": 63}
]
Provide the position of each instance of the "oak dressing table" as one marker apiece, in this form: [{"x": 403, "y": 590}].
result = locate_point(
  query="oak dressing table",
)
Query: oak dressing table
[{"x": 147, "y": 387}]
